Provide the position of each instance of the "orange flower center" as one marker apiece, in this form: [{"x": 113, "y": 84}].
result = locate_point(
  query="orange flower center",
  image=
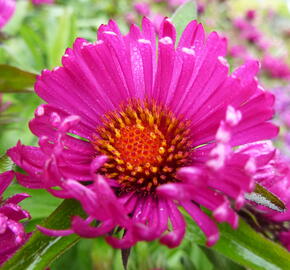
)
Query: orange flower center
[
  {"x": 139, "y": 145},
  {"x": 145, "y": 145}
]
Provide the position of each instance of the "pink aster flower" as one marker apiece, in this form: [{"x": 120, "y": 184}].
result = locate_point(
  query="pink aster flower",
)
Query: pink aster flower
[
  {"x": 134, "y": 133},
  {"x": 12, "y": 234},
  {"x": 42, "y": 2},
  {"x": 7, "y": 8}
]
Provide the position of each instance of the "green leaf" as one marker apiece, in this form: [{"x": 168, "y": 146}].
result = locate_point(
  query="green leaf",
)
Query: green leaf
[
  {"x": 80, "y": 254},
  {"x": 13, "y": 79},
  {"x": 244, "y": 246},
  {"x": 35, "y": 45},
  {"x": 41, "y": 250},
  {"x": 183, "y": 15},
  {"x": 6, "y": 164},
  {"x": 219, "y": 261},
  {"x": 264, "y": 197}
]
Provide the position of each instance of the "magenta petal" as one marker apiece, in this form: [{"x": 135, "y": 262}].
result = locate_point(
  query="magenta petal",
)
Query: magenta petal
[
  {"x": 226, "y": 213},
  {"x": 5, "y": 180},
  {"x": 83, "y": 229},
  {"x": 167, "y": 29},
  {"x": 3, "y": 223},
  {"x": 174, "y": 238},
  {"x": 17, "y": 198},
  {"x": 203, "y": 221},
  {"x": 97, "y": 163},
  {"x": 51, "y": 232},
  {"x": 126, "y": 242}
]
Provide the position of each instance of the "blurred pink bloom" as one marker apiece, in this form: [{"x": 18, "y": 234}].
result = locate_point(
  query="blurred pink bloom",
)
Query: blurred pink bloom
[
  {"x": 7, "y": 9},
  {"x": 157, "y": 129},
  {"x": 200, "y": 8},
  {"x": 248, "y": 31},
  {"x": 282, "y": 99},
  {"x": 12, "y": 234},
  {"x": 276, "y": 67},
  {"x": 130, "y": 18},
  {"x": 176, "y": 3},
  {"x": 142, "y": 8},
  {"x": 42, "y": 2},
  {"x": 157, "y": 20},
  {"x": 240, "y": 23},
  {"x": 251, "y": 14},
  {"x": 240, "y": 51}
]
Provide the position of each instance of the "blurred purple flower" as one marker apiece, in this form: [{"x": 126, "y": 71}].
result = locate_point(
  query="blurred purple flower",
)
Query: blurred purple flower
[
  {"x": 12, "y": 234},
  {"x": 7, "y": 9},
  {"x": 155, "y": 130}
]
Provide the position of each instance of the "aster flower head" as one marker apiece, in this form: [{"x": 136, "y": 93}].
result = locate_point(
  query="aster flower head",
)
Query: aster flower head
[
  {"x": 7, "y": 8},
  {"x": 134, "y": 132},
  {"x": 12, "y": 234}
]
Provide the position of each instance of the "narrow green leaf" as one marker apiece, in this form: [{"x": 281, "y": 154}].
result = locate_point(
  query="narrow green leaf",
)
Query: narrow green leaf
[
  {"x": 245, "y": 246},
  {"x": 15, "y": 80},
  {"x": 41, "y": 250},
  {"x": 266, "y": 198},
  {"x": 183, "y": 15}
]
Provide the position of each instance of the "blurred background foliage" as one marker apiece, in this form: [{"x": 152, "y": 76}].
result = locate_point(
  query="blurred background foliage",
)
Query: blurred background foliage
[{"x": 36, "y": 38}]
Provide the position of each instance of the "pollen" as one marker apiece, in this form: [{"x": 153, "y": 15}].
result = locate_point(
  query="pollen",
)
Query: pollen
[{"x": 145, "y": 145}]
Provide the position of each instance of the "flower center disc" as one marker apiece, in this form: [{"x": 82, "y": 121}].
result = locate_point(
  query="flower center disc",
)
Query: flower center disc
[
  {"x": 139, "y": 145},
  {"x": 145, "y": 145}
]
